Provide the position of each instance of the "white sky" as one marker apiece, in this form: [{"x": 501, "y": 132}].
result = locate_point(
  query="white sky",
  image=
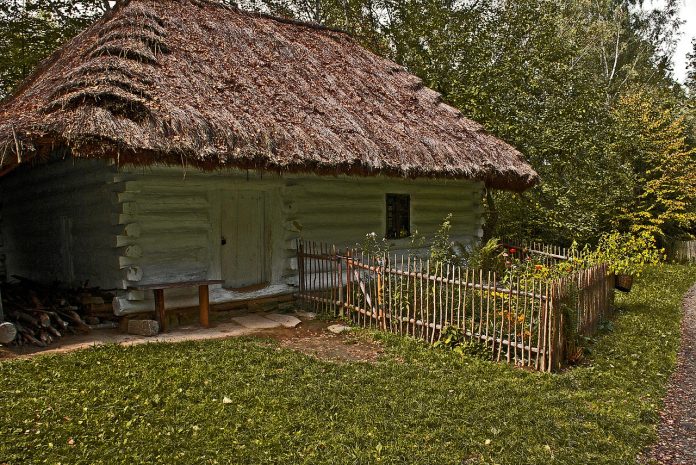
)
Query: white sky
[{"x": 688, "y": 32}]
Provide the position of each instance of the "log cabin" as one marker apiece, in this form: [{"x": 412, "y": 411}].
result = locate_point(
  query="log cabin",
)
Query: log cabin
[{"x": 178, "y": 140}]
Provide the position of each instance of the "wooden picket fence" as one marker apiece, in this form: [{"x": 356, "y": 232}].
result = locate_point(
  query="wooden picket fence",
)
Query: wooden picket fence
[
  {"x": 524, "y": 322},
  {"x": 546, "y": 254},
  {"x": 684, "y": 251}
]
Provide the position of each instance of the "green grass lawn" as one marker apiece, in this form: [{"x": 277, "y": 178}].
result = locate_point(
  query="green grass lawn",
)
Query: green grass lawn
[{"x": 248, "y": 401}]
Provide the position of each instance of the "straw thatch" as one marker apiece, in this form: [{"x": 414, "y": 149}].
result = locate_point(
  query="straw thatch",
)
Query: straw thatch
[{"x": 198, "y": 83}]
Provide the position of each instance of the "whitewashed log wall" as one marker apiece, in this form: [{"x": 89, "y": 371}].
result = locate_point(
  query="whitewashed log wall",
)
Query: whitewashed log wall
[
  {"x": 343, "y": 210},
  {"x": 59, "y": 222},
  {"x": 78, "y": 220}
]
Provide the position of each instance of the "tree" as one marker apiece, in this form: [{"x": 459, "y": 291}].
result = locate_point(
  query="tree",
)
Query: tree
[
  {"x": 691, "y": 70},
  {"x": 652, "y": 145},
  {"x": 32, "y": 29}
]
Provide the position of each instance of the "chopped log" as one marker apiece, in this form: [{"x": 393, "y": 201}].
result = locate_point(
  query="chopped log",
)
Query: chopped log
[
  {"x": 53, "y": 331},
  {"x": 44, "y": 320},
  {"x": 45, "y": 337},
  {"x": 8, "y": 332},
  {"x": 42, "y": 313},
  {"x": 31, "y": 339},
  {"x": 35, "y": 301},
  {"x": 26, "y": 318},
  {"x": 58, "y": 321},
  {"x": 74, "y": 319}
]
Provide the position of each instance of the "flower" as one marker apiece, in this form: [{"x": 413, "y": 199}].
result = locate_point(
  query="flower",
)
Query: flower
[
  {"x": 513, "y": 250},
  {"x": 538, "y": 267}
]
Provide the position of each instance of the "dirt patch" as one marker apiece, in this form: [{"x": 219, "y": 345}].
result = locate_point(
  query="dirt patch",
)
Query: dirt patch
[
  {"x": 6, "y": 353},
  {"x": 312, "y": 338},
  {"x": 338, "y": 348}
]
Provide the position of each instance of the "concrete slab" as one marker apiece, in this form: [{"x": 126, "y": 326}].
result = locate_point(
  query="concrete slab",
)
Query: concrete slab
[
  {"x": 114, "y": 336},
  {"x": 288, "y": 321},
  {"x": 254, "y": 321}
]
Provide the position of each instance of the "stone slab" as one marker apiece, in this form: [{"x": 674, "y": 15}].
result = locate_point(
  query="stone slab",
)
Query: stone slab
[
  {"x": 305, "y": 315},
  {"x": 256, "y": 322},
  {"x": 338, "y": 329},
  {"x": 287, "y": 321},
  {"x": 143, "y": 327}
]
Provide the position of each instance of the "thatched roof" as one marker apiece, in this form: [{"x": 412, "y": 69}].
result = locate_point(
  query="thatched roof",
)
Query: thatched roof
[{"x": 198, "y": 83}]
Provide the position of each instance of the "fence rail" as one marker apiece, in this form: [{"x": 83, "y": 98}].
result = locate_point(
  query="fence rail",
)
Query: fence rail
[{"x": 521, "y": 320}]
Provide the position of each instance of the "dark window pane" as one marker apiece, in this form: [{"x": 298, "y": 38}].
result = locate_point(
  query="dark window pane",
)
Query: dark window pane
[{"x": 398, "y": 216}]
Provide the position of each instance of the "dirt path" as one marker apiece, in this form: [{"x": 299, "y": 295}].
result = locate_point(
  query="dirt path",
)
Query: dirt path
[
  {"x": 677, "y": 429},
  {"x": 311, "y": 338}
]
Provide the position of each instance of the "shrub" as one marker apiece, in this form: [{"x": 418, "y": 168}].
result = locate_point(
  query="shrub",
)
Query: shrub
[{"x": 628, "y": 253}]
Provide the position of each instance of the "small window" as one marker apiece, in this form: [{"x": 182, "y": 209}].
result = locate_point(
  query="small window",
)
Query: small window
[{"x": 398, "y": 216}]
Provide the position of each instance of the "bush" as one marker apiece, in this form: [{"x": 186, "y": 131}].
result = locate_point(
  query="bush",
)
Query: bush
[
  {"x": 452, "y": 338},
  {"x": 628, "y": 253}
]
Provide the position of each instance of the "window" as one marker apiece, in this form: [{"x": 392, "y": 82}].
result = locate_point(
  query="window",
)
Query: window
[{"x": 398, "y": 216}]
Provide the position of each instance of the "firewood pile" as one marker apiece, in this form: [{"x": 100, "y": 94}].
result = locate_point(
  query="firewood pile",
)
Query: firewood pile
[{"x": 42, "y": 314}]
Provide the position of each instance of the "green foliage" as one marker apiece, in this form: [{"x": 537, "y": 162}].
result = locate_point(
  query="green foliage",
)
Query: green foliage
[
  {"x": 452, "y": 338},
  {"x": 374, "y": 245},
  {"x": 32, "y": 29},
  {"x": 441, "y": 246},
  {"x": 629, "y": 253},
  {"x": 417, "y": 241},
  {"x": 164, "y": 403},
  {"x": 691, "y": 70},
  {"x": 486, "y": 257},
  {"x": 660, "y": 169}
]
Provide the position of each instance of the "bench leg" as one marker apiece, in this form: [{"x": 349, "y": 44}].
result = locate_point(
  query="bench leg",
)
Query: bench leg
[
  {"x": 159, "y": 309},
  {"x": 204, "y": 304}
]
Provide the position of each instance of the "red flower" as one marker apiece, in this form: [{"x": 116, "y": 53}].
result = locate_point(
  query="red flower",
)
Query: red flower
[
  {"x": 538, "y": 267},
  {"x": 513, "y": 250}
]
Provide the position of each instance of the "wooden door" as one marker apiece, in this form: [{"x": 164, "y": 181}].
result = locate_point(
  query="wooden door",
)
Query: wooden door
[{"x": 243, "y": 245}]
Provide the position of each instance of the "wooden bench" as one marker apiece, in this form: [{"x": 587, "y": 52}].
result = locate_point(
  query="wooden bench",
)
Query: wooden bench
[{"x": 203, "y": 297}]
